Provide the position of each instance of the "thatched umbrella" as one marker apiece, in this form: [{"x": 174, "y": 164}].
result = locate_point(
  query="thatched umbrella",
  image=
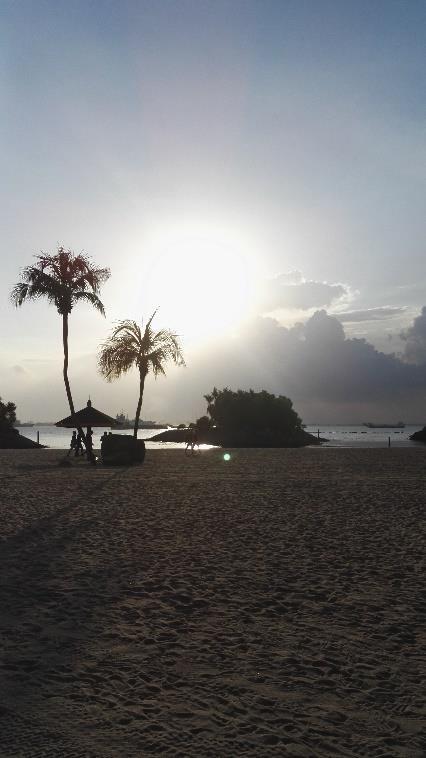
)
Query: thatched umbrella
[{"x": 88, "y": 417}]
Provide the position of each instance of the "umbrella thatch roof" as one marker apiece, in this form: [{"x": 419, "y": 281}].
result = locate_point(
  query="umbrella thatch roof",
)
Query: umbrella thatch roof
[{"x": 88, "y": 416}]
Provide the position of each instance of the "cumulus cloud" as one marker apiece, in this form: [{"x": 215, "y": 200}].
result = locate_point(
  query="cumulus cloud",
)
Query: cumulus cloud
[
  {"x": 370, "y": 314},
  {"x": 415, "y": 340},
  {"x": 329, "y": 376},
  {"x": 318, "y": 361},
  {"x": 292, "y": 291}
]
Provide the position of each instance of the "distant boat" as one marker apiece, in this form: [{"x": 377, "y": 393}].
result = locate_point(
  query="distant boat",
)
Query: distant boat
[
  {"x": 398, "y": 425},
  {"x": 123, "y": 422}
]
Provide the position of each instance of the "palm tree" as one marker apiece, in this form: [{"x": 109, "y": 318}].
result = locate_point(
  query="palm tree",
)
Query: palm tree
[
  {"x": 64, "y": 279},
  {"x": 129, "y": 346}
]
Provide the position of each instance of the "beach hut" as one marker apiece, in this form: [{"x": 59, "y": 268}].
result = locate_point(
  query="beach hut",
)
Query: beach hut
[{"x": 88, "y": 417}]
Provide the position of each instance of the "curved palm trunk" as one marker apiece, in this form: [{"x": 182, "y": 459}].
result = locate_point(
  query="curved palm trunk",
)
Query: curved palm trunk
[
  {"x": 66, "y": 380},
  {"x": 142, "y": 376}
]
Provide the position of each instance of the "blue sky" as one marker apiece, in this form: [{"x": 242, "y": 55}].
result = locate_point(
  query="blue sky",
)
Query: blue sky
[{"x": 278, "y": 136}]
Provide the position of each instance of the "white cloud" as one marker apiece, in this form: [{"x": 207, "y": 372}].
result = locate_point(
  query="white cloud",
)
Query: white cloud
[
  {"x": 415, "y": 340},
  {"x": 370, "y": 314},
  {"x": 291, "y": 291},
  {"x": 329, "y": 377}
]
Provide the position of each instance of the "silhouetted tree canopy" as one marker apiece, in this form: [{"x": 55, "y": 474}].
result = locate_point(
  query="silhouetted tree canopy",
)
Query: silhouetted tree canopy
[
  {"x": 7, "y": 416},
  {"x": 64, "y": 279},
  {"x": 252, "y": 419},
  {"x": 203, "y": 424}
]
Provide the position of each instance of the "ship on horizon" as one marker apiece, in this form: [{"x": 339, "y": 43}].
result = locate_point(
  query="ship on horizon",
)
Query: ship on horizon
[
  {"x": 123, "y": 422},
  {"x": 398, "y": 425}
]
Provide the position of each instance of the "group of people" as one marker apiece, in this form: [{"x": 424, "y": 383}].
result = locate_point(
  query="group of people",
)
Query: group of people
[{"x": 76, "y": 443}]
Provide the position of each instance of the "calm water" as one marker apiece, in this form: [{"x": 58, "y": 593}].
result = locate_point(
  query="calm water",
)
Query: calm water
[
  {"x": 337, "y": 436},
  {"x": 57, "y": 438},
  {"x": 361, "y": 436}
]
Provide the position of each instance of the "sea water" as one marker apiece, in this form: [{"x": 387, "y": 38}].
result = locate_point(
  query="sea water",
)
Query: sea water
[
  {"x": 362, "y": 436},
  {"x": 336, "y": 435},
  {"x": 59, "y": 439}
]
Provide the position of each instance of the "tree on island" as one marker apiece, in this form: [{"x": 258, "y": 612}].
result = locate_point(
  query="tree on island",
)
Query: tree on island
[
  {"x": 7, "y": 416},
  {"x": 129, "y": 346},
  {"x": 64, "y": 279},
  {"x": 246, "y": 419},
  {"x": 203, "y": 424},
  {"x": 254, "y": 419}
]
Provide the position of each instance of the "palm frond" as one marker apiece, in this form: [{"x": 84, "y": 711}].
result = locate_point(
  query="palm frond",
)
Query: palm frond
[
  {"x": 91, "y": 277},
  {"x": 156, "y": 360},
  {"x": 127, "y": 346},
  {"x": 91, "y": 298},
  {"x": 114, "y": 361},
  {"x": 19, "y": 294},
  {"x": 35, "y": 284},
  {"x": 130, "y": 327},
  {"x": 151, "y": 318},
  {"x": 63, "y": 278},
  {"x": 120, "y": 351}
]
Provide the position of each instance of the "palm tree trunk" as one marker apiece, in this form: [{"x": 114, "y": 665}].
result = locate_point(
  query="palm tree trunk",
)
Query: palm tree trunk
[
  {"x": 66, "y": 380},
  {"x": 142, "y": 376}
]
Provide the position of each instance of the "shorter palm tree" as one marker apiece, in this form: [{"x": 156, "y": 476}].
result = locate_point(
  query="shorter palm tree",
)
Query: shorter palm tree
[{"x": 129, "y": 346}]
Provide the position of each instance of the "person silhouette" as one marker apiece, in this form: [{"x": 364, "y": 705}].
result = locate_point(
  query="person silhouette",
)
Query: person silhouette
[
  {"x": 194, "y": 440},
  {"x": 73, "y": 443},
  {"x": 191, "y": 440},
  {"x": 89, "y": 443},
  {"x": 78, "y": 445}
]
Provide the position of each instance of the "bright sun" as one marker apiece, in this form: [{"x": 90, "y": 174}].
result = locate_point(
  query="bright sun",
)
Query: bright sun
[{"x": 205, "y": 283}]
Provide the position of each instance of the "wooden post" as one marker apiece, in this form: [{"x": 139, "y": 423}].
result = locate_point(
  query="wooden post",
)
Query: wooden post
[
  {"x": 318, "y": 433},
  {"x": 38, "y": 437},
  {"x": 388, "y": 441}
]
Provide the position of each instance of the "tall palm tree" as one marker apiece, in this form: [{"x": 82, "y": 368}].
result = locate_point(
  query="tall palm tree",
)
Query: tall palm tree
[
  {"x": 64, "y": 279},
  {"x": 129, "y": 346}
]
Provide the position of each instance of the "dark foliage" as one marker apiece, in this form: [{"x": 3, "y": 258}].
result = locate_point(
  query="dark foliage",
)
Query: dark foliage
[
  {"x": 7, "y": 416},
  {"x": 255, "y": 419},
  {"x": 203, "y": 424},
  {"x": 419, "y": 436},
  {"x": 64, "y": 279},
  {"x": 10, "y": 437}
]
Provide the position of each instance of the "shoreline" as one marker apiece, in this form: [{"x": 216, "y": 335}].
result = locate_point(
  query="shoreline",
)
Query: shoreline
[
  {"x": 327, "y": 445},
  {"x": 337, "y": 436}
]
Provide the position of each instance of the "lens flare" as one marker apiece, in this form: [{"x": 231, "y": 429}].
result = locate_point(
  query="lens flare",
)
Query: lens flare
[{"x": 226, "y": 457}]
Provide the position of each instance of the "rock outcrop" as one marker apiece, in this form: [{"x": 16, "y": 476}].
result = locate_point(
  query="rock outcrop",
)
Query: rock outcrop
[{"x": 419, "y": 436}]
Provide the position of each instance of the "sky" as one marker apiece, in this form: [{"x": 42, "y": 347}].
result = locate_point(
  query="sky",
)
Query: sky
[{"x": 255, "y": 169}]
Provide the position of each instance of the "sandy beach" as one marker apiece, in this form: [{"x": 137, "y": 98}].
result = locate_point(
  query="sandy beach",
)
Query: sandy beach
[{"x": 269, "y": 605}]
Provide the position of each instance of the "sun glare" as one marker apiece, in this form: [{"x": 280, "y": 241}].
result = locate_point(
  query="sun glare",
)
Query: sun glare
[{"x": 206, "y": 283}]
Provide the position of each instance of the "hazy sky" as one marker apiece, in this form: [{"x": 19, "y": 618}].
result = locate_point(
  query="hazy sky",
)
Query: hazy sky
[{"x": 226, "y": 160}]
